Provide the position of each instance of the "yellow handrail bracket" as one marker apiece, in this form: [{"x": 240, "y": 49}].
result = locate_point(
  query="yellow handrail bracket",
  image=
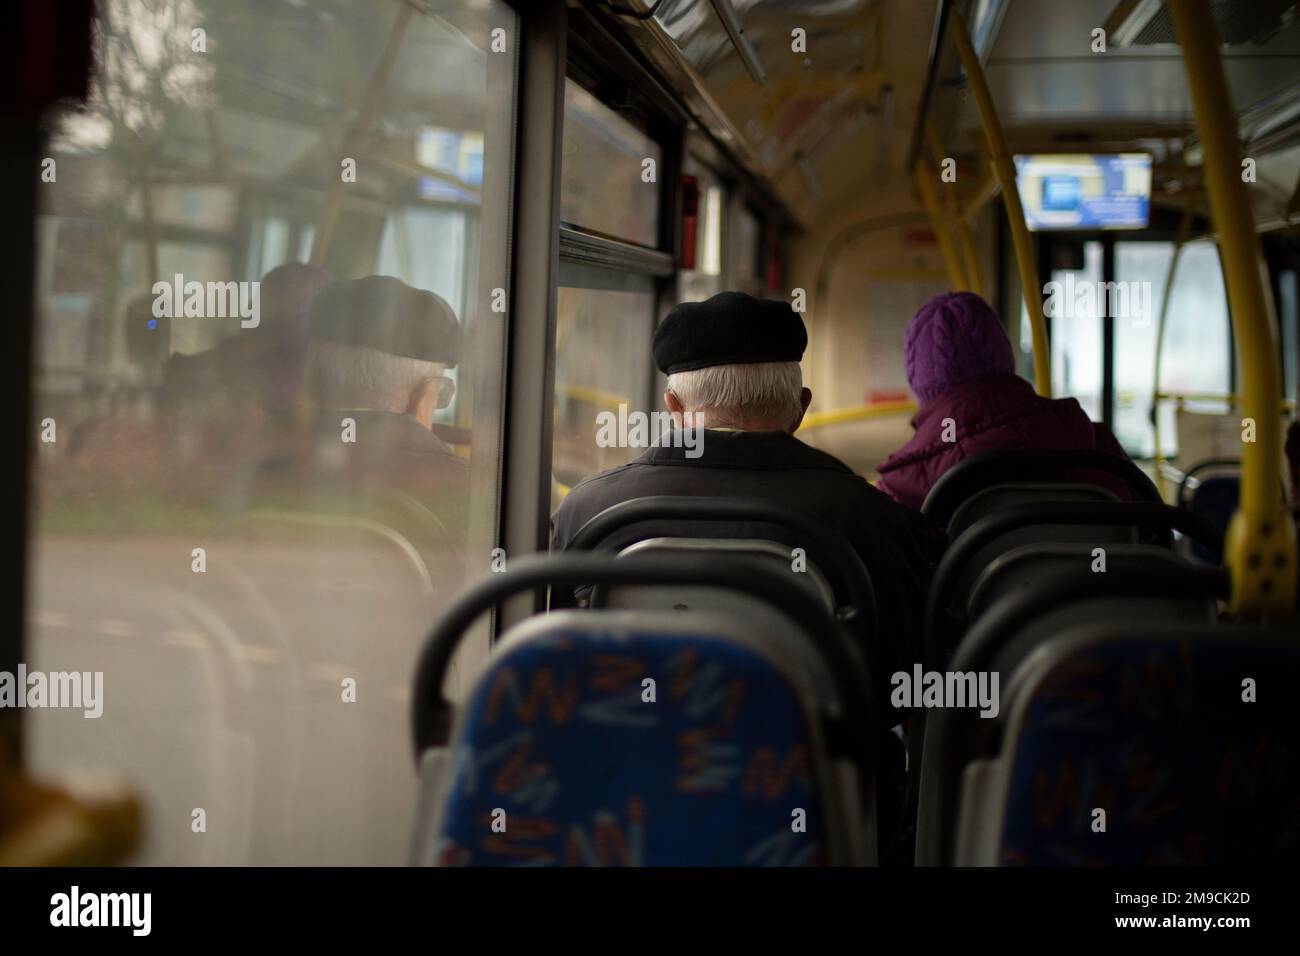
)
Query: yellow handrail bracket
[{"x": 924, "y": 176}]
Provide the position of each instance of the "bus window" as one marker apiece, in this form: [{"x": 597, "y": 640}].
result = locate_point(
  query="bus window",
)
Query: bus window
[
  {"x": 604, "y": 325},
  {"x": 1074, "y": 326},
  {"x": 610, "y": 178},
  {"x": 1196, "y": 341},
  {"x": 246, "y": 527}
]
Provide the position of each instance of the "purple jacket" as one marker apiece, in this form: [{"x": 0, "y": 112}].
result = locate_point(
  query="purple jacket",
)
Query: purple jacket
[{"x": 997, "y": 412}]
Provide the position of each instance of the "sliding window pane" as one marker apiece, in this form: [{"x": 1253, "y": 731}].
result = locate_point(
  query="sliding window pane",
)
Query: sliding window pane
[
  {"x": 602, "y": 362},
  {"x": 607, "y": 162}
]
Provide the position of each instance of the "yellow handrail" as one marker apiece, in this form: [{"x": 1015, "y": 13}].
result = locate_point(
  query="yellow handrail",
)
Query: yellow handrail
[
  {"x": 956, "y": 217},
  {"x": 857, "y": 413},
  {"x": 593, "y": 395},
  {"x": 924, "y": 176},
  {"x": 1230, "y": 398},
  {"x": 1260, "y": 548},
  {"x": 1005, "y": 171}
]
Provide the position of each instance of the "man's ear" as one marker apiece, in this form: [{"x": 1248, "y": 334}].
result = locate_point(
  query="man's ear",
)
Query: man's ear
[
  {"x": 430, "y": 395},
  {"x": 805, "y": 399},
  {"x": 675, "y": 406}
]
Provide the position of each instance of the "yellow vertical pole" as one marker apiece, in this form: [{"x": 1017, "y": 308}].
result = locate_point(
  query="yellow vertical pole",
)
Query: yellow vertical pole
[
  {"x": 1005, "y": 171},
  {"x": 1260, "y": 550},
  {"x": 925, "y": 184}
]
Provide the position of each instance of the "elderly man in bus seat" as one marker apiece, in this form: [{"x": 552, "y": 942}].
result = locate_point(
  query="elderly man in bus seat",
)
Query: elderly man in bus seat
[
  {"x": 960, "y": 366},
  {"x": 733, "y": 367}
]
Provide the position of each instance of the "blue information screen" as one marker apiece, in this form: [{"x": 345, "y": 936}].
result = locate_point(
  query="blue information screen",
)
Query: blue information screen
[{"x": 1083, "y": 191}]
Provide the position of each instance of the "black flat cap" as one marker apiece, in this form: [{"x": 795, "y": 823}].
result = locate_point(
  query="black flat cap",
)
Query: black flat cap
[
  {"x": 731, "y": 328},
  {"x": 380, "y": 312}
]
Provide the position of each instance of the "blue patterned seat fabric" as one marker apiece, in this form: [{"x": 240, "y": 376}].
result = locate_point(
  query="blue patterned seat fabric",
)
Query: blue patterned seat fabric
[
  {"x": 556, "y": 734},
  {"x": 1158, "y": 735}
]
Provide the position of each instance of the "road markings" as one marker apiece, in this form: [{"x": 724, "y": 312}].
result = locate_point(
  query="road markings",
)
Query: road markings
[
  {"x": 257, "y": 653},
  {"x": 330, "y": 671},
  {"x": 117, "y": 628},
  {"x": 184, "y": 639},
  {"x": 50, "y": 619}
]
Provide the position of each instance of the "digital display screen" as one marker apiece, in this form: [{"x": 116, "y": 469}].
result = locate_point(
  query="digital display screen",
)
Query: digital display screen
[{"x": 1083, "y": 191}]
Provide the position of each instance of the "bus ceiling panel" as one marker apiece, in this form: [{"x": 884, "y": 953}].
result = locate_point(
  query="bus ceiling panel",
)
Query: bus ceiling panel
[
  {"x": 1043, "y": 71},
  {"x": 798, "y": 91},
  {"x": 1032, "y": 28}
]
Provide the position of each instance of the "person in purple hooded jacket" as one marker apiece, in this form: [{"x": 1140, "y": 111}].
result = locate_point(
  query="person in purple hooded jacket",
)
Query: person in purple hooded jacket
[{"x": 960, "y": 366}]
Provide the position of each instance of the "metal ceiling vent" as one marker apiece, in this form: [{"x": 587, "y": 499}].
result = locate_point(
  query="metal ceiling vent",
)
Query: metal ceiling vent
[{"x": 1147, "y": 22}]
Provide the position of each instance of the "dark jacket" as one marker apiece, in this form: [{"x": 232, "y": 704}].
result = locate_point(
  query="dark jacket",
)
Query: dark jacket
[
  {"x": 892, "y": 541},
  {"x": 994, "y": 413},
  {"x": 395, "y": 472}
]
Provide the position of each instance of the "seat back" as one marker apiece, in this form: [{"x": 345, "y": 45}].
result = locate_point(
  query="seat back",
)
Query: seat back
[
  {"x": 959, "y": 577},
  {"x": 1015, "y": 629},
  {"x": 1096, "y": 523},
  {"x": 620, "y": 738},
  {"x": 1138, "y": 744},
  {"x": 806, "y": 575},
  {"x": 1052, "y": 465},
  {"x": 991, "y": 500},
  {"x": 575, "y": 706},
  {"x": 713, "y": 519},
  {"x": 1021, "y": 569}
]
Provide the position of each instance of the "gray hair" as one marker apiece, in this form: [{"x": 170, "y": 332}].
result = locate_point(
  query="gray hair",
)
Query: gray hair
[
  {"x": 353, "y": 376},
  {"x": 729, "y": 395}
]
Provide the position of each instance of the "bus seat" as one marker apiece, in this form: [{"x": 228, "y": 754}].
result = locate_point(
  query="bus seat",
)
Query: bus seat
[
  {"x": 1094, "y": 523},
  {"x": 1054, "y": 465},
  {"x": 713, "y": 519},
  {"x": 1014, "y": 633},
  {"x": 1021, "y": 569},
  {"x": 726, "y": 767},
  {"x": 694, "y": 597},
  {"x": 824, "y": 550},
  {"x": 1150, "y": 723},
  {"x": 994, "y": 498},
  {"x": 758, "y": 746}
]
